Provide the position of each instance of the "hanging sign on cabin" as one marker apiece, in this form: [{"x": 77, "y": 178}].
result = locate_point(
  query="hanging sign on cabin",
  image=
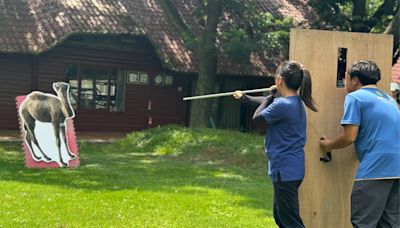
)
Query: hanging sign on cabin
[{"x": 46, "y": 123}]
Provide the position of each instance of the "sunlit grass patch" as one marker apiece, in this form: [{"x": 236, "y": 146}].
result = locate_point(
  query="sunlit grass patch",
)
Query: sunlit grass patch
[{"x": 162, "y": 177}]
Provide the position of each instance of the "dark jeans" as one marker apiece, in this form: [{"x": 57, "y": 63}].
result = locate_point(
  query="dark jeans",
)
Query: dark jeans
[
  {"x": 286, "y": 204},
  {"x": 375, "y": 203}
]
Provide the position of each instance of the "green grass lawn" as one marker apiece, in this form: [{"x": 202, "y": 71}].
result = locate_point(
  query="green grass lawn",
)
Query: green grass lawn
[{"x": 163, "y": 177}]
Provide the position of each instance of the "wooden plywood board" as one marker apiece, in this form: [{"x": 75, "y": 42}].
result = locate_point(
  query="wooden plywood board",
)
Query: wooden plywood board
[{"x": 326, "y": 189}]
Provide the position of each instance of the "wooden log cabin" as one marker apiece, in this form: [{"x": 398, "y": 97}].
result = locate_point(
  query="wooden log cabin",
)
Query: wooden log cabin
[{"x": 125, "y": 61}]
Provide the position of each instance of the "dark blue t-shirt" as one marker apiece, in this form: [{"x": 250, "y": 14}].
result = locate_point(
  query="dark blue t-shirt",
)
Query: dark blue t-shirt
[{"x": 285, "y": 138}]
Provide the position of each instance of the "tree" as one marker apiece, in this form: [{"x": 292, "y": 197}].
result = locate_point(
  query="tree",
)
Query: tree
[
  {"x": 206, "y": 54},
  {"x": 237, "y": 28},
  {"x": 394, "y": 28},
  {"x": 355, "y": 15},
  {"x": 376, "y": 16},
  {"x": 230, "y": 28}
]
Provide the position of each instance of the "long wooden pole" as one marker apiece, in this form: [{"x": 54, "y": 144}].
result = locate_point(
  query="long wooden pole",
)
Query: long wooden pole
[{"x": 227, "y": 94}]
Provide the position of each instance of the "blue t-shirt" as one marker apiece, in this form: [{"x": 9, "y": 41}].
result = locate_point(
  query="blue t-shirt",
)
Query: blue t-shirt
[
  {"x": 285, "y": 138},
  {"x": 378, "y": 141}
]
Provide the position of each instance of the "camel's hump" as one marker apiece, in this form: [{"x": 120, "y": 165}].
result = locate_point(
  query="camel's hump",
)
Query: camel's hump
[{"x": 41, "y": 96}]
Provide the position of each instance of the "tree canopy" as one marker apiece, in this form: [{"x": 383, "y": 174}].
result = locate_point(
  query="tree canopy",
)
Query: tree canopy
[
  {"x": 238, "y": 28},
  {"x": 234, "y": 29},
  {"x": 375, "y": 16}
]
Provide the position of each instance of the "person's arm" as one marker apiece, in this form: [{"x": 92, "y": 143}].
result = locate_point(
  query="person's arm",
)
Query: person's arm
[
  {"x": 257, "y": 117},
  {"x": 346, "y": 138},
  {"x": 351, "y": 121},
  {"x": 252, "y": 100}
]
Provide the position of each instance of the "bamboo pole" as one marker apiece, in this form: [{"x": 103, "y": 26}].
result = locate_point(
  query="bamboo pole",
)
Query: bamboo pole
[{"x": 228, "y": 94}]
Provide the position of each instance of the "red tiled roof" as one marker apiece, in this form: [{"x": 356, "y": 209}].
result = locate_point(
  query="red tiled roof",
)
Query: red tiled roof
[
  {"x": 298, "y": 9},
  {"x": 34, "y": 26},
  {"x": 396, "y": 72}
]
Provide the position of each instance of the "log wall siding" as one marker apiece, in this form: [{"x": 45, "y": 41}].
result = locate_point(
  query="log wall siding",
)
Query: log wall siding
[
  {"x": 167, "y": 105},
  {"x": 21, "y": 74},
  {"x": 15, "y": 79}
]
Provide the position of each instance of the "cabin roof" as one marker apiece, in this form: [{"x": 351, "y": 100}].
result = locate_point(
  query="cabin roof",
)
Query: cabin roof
[{"x": 36, "y": 26}]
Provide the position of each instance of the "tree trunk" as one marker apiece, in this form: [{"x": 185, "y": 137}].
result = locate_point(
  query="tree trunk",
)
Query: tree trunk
[
  {"x": 394, "y": 28},
  {"x": 388, "y": 6},
  {"x": 206, "y": 54},
  {"x": 359, "y": 14}
]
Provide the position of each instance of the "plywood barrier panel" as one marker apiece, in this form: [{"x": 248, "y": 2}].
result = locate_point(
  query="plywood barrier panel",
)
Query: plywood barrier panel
[{"x": 326, "y": 189}]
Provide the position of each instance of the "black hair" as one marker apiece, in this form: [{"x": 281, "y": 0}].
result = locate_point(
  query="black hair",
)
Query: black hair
[
  {"x": 366, "y": 71},
  {"x": 296, "y": 76}
]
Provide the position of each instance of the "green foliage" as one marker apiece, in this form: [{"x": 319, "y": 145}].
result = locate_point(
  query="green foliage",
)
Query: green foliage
[
  {"x": 381, "y": 25},
  {"x": 244, "y": 29},
  {"x": 269, "y": 37},
  {"x": 273, "y": 34},
  {"x": 339, "y": 15},
  {"x": 260, "y": 33},
  {"x": 190, "y": 39},
  {"x": 219, "y": 181},
  {"x": 236, "y": 44}
]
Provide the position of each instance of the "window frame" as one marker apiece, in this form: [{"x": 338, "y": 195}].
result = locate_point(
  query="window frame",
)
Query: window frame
[{"x": 110, "y": 75}]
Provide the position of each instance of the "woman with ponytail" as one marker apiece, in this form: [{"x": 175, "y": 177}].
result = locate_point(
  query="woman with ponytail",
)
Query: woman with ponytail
[{"x": 284, "y": 113}]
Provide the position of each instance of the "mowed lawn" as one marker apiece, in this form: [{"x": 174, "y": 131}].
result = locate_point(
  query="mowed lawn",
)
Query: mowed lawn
[{"x": 162, "y": 177}]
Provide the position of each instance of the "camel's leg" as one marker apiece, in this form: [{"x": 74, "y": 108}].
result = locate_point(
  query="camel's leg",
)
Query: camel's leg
[
  {"x": 32, "y": 137},
  {"x": 29, "y": 141},
  {"x": 62, "y": 129},
  {"x": 56, "y": 127},
  {"x": 29, "y": 123}
]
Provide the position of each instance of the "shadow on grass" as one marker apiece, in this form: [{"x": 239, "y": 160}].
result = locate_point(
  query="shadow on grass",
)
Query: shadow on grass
[{"x": 105, "y": 170}]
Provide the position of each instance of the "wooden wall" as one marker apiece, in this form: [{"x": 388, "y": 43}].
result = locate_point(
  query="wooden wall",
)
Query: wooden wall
[
  {"x": 15, "y": 79},
  {"x": 325, "y": 191},
  {"x": 145, "y": 105},
  {"x": 21, "y": 74},
  {"x": 167, "y": 106}
]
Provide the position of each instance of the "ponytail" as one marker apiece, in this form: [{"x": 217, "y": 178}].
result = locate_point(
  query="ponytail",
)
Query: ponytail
[
  {"x": 296, "y": 76},
  {"x": 305, "y": 90}
]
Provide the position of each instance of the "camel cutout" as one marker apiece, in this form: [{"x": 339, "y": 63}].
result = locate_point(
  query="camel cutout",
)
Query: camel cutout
[{"x": 48, "y": 108}]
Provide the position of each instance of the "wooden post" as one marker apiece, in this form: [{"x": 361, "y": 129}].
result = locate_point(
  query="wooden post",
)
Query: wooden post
[{"x": 326, "y": 189}]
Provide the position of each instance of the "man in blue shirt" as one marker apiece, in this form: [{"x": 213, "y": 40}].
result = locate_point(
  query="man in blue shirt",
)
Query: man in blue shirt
[{"x": 371, "y": 120}]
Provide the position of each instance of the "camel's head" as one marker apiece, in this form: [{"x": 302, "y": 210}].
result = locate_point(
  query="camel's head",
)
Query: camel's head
[
  {"x": 61, "y": 87},
  {"x": 62, "y": 90}
]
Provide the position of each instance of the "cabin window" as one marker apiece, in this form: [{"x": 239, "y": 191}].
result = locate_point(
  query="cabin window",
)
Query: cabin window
[
  {"x": 169, "y": 80},
  {"x": 163, "y": 79},
  {"x": 134, "y": 77},
  {"x": 159, "y": 79},
  {"x": 95, "y": 87}
]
